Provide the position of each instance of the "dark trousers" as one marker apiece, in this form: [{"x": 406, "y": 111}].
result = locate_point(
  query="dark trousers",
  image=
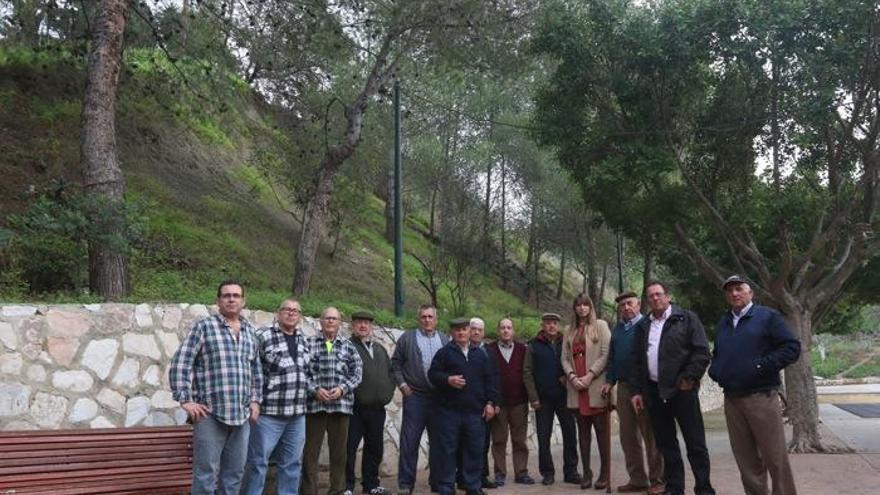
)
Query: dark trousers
[
  {"x": 367, "y": 423},
  {"x": 419, "y": 411},
  {"x": 684, "y": 409},
  {"x": 459, "y": 459},
  {"x": 544, "y": 430},
  {"x": 465, "y": 431}
]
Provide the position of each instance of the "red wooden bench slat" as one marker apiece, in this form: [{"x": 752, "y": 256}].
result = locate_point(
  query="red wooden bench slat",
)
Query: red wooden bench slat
[{"x": 143, "y": 460}]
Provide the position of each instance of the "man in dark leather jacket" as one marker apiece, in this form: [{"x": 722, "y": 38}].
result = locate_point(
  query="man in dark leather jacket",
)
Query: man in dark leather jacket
[{"x": 670, "y": 355}]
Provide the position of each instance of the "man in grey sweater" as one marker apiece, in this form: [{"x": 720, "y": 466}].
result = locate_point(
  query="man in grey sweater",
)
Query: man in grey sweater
[{"x": 410, "y": 363}]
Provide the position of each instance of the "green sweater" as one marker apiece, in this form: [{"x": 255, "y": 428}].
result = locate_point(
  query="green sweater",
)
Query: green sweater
[{"x": 377, "y": 386}]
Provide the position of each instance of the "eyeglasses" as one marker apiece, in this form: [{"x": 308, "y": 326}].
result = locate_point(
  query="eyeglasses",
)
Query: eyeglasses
[
  {"x": 290, "y": 311},
  {"x": 231, "y": 295}
]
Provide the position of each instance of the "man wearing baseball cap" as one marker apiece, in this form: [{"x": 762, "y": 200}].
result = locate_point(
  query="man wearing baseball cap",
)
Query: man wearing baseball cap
[{"x": 752, "y": 344}]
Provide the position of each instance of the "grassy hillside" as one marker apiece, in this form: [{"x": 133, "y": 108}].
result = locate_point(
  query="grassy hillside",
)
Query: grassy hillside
[{"x": 204, "y": 210}]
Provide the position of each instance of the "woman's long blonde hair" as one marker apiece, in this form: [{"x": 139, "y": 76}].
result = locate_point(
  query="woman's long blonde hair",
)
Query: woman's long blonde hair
[{"x": 590, "y": 323}]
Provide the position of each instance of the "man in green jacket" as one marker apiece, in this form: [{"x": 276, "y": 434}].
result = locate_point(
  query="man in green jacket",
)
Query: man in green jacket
[{"x": 371, "y": 396}]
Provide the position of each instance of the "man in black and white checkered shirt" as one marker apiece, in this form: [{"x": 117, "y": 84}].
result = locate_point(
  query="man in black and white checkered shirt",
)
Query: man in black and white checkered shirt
[
  {"x": 336, "y": 372},
  {"x": 287, "y": 381}
]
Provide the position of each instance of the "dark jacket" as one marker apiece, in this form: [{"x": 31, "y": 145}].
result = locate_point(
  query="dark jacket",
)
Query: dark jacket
[
  {"x": 478, "y": 374},
  {"x": 683, "y": 353},
  {"x": 542, "y": 369},
  {"x": 748, "y": 358},
  {"x": 377, "y": 385},
  {"x": 406, "y": 362}
]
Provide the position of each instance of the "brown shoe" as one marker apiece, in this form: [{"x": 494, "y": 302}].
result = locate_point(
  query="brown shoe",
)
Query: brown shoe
[
  {"x": 630, "y": 488},
  {"x": 657, "y": 489},
  {"x": 585, "y": 483},
  {"x": 600, "y": 484}
]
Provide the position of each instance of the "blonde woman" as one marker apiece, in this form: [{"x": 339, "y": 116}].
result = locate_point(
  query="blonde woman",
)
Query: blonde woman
[{"x": 584, "y": 355}]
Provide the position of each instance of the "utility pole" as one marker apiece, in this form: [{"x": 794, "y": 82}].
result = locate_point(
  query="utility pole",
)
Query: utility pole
[
  {"x": 398, "y": 208},
  {"x": 620, "y": 280}
]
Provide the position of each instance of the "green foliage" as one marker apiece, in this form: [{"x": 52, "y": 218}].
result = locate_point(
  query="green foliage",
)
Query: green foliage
[
  {"x": 52, "y": 111},
  {"x": 871, "y": 368}
]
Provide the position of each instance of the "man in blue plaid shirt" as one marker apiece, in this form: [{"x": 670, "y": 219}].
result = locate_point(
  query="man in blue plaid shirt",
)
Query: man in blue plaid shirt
[
  {"x": 285, "y": 357},
  {"x": 216, "y": 377},
  {"x": 336, "y": 372}
]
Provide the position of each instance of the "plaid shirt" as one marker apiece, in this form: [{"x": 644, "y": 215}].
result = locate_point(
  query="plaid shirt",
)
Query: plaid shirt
[
  {"x": 341, "y": 367},
  {"x": 286, "y": 380},
  {"x": 212, "y": 368}
]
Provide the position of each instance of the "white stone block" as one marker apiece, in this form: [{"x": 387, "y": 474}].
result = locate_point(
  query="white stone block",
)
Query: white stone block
[
  {"x": 94, "y": 308},
  {"x": 162, "y": 400},
  {"x": 83, "y": 410},
  {"x": 10, "y": 364},
  {"x": 141, "y": 345},
  {"x": 112, "y": 399},
  {"x": 172, "y": 317},
  {"x": 36, "y": 373},
  {"x": 18, "y": 426},
  {"x": 14, "y": 399},
  {"x": 73, "y": 380},
  {"x": 151, "y": 376},
  {"x": 143, "y": 316},
  {"x": 100, "y": 356},
  {"x": 157, "y": 418},
  {"x": 170, "y": 342},
  {"x": 48, "y": 410},
  {"x": 127, "y": 374},
  {"x": 7, "y": 335},
  {"x": 180, "y": 416},
  {"x": 101, "y": 422},
  {"x": 17, "y": 311},
  {"x": 136, "y": 409},
  {"x": 67, "y": 324},
  {"x": 198, "y": 311}
]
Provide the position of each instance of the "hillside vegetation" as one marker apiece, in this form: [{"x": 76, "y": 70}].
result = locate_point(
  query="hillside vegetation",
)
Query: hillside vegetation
[{"x": 204, "y": 209}]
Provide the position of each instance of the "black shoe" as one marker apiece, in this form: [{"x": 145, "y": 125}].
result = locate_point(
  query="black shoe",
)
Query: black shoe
[
  {"x": 524, "y": 480},
  {"x": 548, "y": 479},
  {"x": 489, "y": 484},
  {"x": 460, "y": 486},
  {"x": 574, "y": 479}
]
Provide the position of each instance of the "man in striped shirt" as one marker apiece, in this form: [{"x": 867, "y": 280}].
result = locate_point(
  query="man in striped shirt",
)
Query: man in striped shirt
[
  {"x": 216, "y": 377},
  {"x": 285, "y": 357},
  {"x": 336, "y": 372}
]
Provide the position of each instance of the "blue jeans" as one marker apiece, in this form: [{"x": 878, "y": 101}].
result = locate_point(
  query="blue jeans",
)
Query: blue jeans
[
  {"x": 289, "y": 435},
  {"x": 463, "y": 431},
  {"x": 219, "y": 452},
  {"x": 418, "y": 410}
]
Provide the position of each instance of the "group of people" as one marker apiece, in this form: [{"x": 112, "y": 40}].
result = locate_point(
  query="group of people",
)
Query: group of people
[{"x": 255, "y": 394}]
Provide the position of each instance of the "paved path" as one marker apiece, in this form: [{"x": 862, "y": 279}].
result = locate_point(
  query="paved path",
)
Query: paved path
[{"x": 815, "y": 474}]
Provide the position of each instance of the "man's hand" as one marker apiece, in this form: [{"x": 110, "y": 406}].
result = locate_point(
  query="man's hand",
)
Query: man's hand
[
  {"x": 536, "y": 405},
  {"x": 606, "y": 389},
  {"x": 195, "y": 411},
  {"x": 336, "y": 393},
  {"x": 637, "y": 403},
  {"x": 456, "y": 381},
  {"x": 562, "y": 380},
  {"x": 685, "y": 384},
  {"x": 488, "y": 411},
  {"x": 405, "y": 390},
  {"x": 255, "y": 411},
  {"x": 323, "y": 395}
]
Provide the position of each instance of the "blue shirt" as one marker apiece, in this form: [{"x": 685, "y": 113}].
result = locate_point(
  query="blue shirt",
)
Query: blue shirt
[{"x": 428, "y": 347}]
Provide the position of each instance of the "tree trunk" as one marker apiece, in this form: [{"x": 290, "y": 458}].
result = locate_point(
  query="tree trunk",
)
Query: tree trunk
[
  {"x": 503, "y": 226},
  {"x": 432, "y": 224},
  {"x": 487, "y": 215},
  {"x": 592, "y": 269},
  {"x": 102, "y": 176},
  {"x": 599, "y": 306},
  {"x": 647, "y": 277},
  {"x": 800, "y": 387},
  {"x": 530, "y": 253},
  {"x": 561, "y": 276}
]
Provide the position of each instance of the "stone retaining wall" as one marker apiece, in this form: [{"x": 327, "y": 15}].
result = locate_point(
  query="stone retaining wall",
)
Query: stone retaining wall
[{"x": 106, "y": 365}]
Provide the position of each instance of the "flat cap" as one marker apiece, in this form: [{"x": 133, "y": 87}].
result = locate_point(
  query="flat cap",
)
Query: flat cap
[
  {"x": 362, "y": 315},
  {"x": 459, "y": 322},
  {"x": 625, "y": 295},
  {"x": 733, "y": 279},
  {"x": 551, "y": 316}
]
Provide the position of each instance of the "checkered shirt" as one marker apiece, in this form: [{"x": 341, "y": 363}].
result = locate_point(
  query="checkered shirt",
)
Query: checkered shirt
[
  {"x": 342, "y": 367},
  {"x": 286, "y": 380},
  {"x": 212, "y": 368}
]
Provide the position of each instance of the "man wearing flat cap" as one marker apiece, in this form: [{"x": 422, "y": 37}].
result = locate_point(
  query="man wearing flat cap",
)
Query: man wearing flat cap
[
  {"x": 367, "y": 421},
  {"x": 752, "y": 344},
  {"x": 545, "y": 385},
  {"x": 635, "y": 426},
  {"x": 467, "y": 393}
]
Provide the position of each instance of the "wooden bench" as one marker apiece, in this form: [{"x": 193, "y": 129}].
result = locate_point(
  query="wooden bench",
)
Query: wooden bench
[{"x": 154, "y": 460}]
